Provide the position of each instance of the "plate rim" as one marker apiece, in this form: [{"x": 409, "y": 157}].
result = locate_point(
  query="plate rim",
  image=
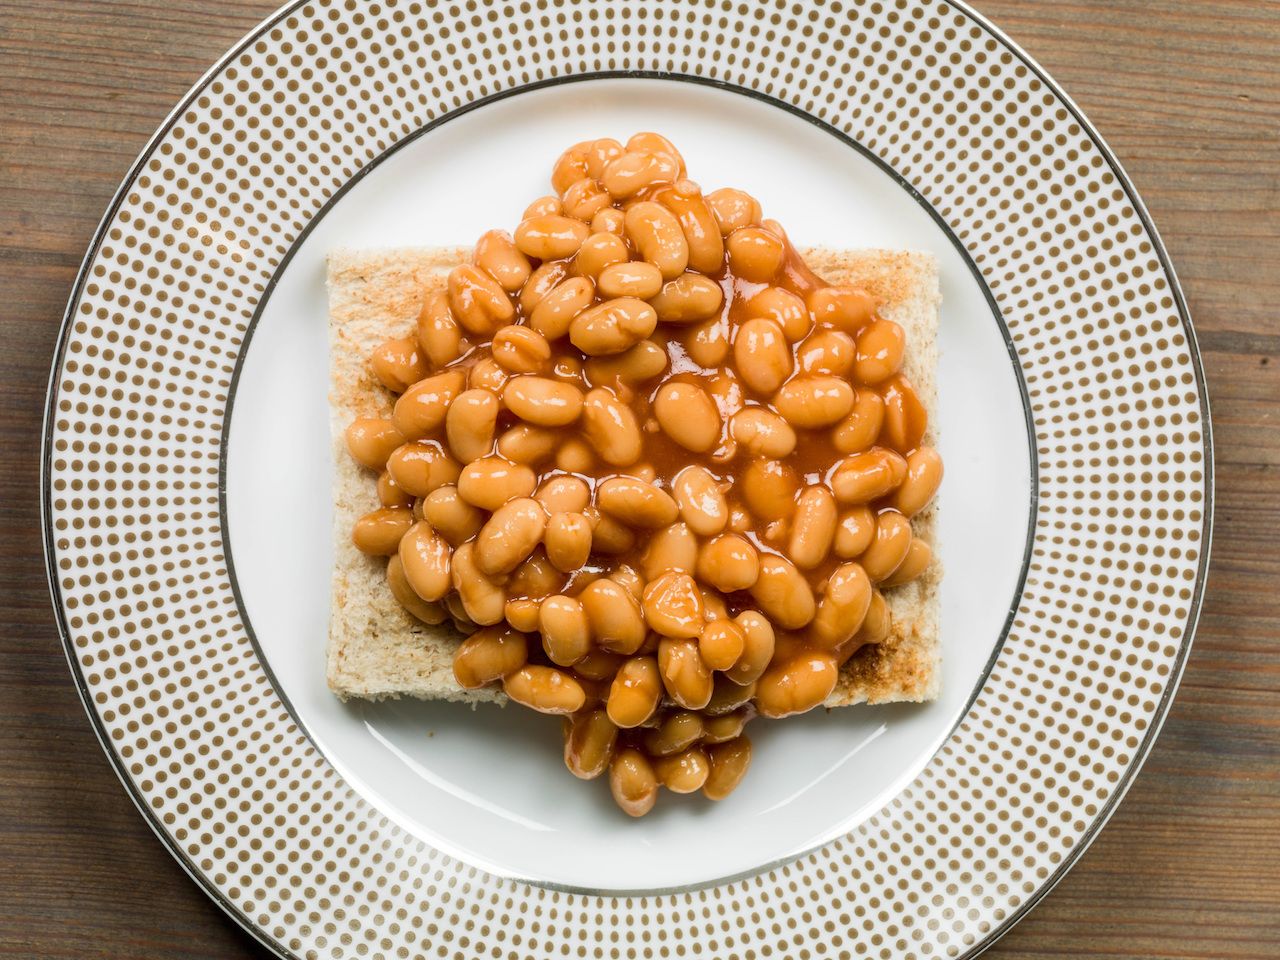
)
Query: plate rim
[{"x": 1195, "y": 604}]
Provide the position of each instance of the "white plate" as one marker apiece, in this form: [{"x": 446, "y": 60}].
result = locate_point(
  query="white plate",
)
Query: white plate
[
  {"x": 488, "y": 785},
  {"x": 186, "y": 477}
]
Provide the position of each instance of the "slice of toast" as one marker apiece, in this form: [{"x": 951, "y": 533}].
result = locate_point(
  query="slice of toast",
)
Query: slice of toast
[{"x": 376, "y": 649}]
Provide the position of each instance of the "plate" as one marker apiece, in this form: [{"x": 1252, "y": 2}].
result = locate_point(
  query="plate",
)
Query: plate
[{"x": 187, "y": 458}]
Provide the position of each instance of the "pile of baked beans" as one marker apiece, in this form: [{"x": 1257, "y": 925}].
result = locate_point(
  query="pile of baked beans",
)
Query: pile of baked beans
[{"x": 656, "y": 470}]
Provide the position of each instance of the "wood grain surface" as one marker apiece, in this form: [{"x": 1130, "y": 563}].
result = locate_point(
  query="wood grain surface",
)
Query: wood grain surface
[{"x": 1187, "y": 92}]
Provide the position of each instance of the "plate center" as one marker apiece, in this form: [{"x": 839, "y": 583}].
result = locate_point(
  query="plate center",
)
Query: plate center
[{"x": 488, "y": 785}]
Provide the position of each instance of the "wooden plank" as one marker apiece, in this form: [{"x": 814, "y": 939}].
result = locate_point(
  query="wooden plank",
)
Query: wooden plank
[{"x": 1186, "y": 93}]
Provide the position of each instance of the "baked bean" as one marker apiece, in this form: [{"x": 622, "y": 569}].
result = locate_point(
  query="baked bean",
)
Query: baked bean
[
  {"x": 427, "y": 612},
  {"x": 608, "y": 536},
  {"x": 728, "y": 696},
  {"x": 726, "y": 391},
  {"x": 859, "y": 430},
  {"x": 813, "y": 401},
  {"x": 675, "y": 732},
  {"x": 726, "y": 727},
  {"x": 489, "y": 654},
  {"x": 574, "y": 456},
  {"x": 924, "y": 474},
  {"x": 390, "y": 494},
  {"x": 784, "y": 308},
  {"x": 636, "y": 503},
  {"x": 451, "y": 516},
  {"x": 689, "y": 298},
  {"x": 542, "y": 401},
  {"x": 568, "y": 369},
  {"x": 626, "y": 576},
  {"x": 635, "y": 692},
  {"x": 566, "y": 634},
  {"x": 674, "y": 549},
  {"x": 630, "y": 279},
  {"x": 421, "y": 466},
  {"x": 568, "y": 541},
  {"x": 608, "y": 220},
  {"x": 397, "y": 364},
  {"x": 544, "y": 689},
  {"x": 916, "y": 562},
  {"x": 487, "y": 374},
  {"x": 687, "y": 415},
  {"x": 563, "y": 495},
  {"x": 612, "y": 326},
  {"x": 702, "y": 504},
  {"x": 522, "y": 614},
  {"x": 783, "y": 593},
  {"x": 585, "y": 199},
  {"x": 614, "y": 615},
  {"x": 642, "y": 362},
  {"x": 729, "y": 563},
  {"x": 755, "y": 254},
  {"x": 797, "y": 685},
  {"x": 421, "y": 409},
  {"x": 646, "y": 142},
  {"x": 905, "y": 418},
  {"x": 721, "y": 643},
  {"x": 570, "y": 168},
  {"x": 855, "y": 532},
  {"x": 483, "y": 600},
  {"x": 425, "y": 561},
  {"x": 469, "y": 424},
  {"x": 763, "y": 433},
  {"x": 497, "y": 256},
  {"x": 599, "y": 665},
  {"x": 686, "y": 678},
  {"x": 701, "y": 232},
  {"x": 769, "y": 487},
  {"x": 655, "y": 233},
  {"x": 599, "y": 252},
  {"x": 842, "y": 608},
  {"x": 520, "y": 349},
  {"x": 536, "y": 578},
  {"x": 510, "y": 535},
  {"x": 458, "y": 616},
  {"x": 881, "y": 344},
  {"x": 762, "y": 355},
  {"x": 371, "y": 440},
  {"x": 875, "y": 626},
  {"x": 828, "y": 351},
  {"x": 527, "y": 444},
  {"x": 541, "y": 282},
  {"x": 707, "y": 343},
  {"x": 589, "y": 744},
  {"x": 379, "y": 532},
  {"x": 543, "y": 207},
  {"x": 627, "y": 175},
  {"x": 599, "y": 153},
  {"x": 733, "y": 209},
  {"x": 759, "y": 642},
  {"x": 490, "y": 482},
  {"x": 728, "y": 763},
  {"x": 550, "y": 237},
  {"x": 673, "y": 606},
  {"x": 477, "y": 301},
  {"x": 555, "y": 312},
  {"x": 889, "y": 548},
  {"x": 610, "y": 427},
  {"x": 841, "y": 308},
  {"x": 685, "y": 772},
  {"x": 439, "y": 335},
  {"x": 863, "y": 477},
  {"x": 632, "y": 782},
  {"x": 813, "y": 528}
]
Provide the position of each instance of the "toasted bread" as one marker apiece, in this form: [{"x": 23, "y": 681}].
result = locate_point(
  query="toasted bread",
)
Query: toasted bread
[{"x": 377, "y": 650}]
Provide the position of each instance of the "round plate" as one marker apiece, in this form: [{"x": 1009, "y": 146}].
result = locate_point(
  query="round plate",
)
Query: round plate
[{"x": 187, "y": 509}]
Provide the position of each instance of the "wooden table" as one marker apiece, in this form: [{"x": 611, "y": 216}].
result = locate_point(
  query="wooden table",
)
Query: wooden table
[{"x": 1188, "y": 94}]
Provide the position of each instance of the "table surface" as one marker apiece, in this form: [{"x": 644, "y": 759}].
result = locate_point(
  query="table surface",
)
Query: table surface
[{"x": 1187, "y": 92}]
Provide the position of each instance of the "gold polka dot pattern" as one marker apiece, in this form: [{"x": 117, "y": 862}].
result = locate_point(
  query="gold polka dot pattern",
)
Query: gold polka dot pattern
[{"x": 156, "y": 328}]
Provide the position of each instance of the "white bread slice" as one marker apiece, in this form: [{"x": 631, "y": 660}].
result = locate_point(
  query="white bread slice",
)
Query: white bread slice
[{"x": 377, "y": 650}]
